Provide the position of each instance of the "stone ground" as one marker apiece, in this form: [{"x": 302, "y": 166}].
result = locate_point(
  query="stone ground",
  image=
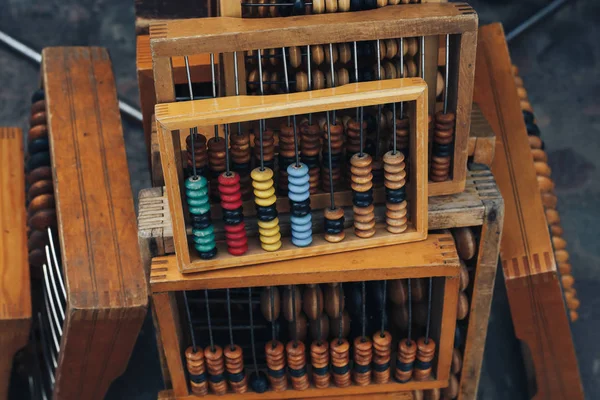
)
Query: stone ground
[{"x": 558, "y": 62}]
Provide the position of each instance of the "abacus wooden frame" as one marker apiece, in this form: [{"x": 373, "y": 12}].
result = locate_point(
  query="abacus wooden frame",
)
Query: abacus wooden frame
[
  {"x": 227, "y": 34},
  {"x": 173, "y": 118},
  {"x": 106, "y": 287},
  {"x": 15, "y": 293},
  {"x": 434, "y": 257}
]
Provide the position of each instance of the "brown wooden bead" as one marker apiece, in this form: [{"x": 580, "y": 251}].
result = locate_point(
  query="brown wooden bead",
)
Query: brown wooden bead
[
  {"x": 312, "y": 303},
  {"x": 37, "y": 239},
  {"x": 552, "y": 217},
  {"x": 549, "y": 200},
  {"x": 559, "y": 243},
  {"x": 397, "y": 291},
  {"x": 39, "y": 174},
  {"x": 466, "y": 244},
  {"x": 382, "y": 349},
  {"x": 400, "y": 316},
  {"x": 40, "y": 188},
  {"x": 288, "y": 305},
  {"x": 234, "y": 363},
  {"x": 406, "y": 354},
  {"x": 300, "y": 328},
  {"x": 545, "y": 184},
  {"x": 37, "y": 132},
  {"x": 425, "y": 354},
  {"x": 556, "y": 230},
  {"x": 196, "y": 366},
  {"x": 41, "y": 202},
  {"x": 295, "y": 56},
  {"x": 323, "y": 322},
  {"x": 276, "y": 361},
  {"x": 334, "y": 325},
  {"x": 43, "y": 219},
  {"x": 573, "y": 315},
  {"x": 432, "y": 394},
  {"x": 296, "y": 359},
  {"x": 462, "y": 308},
  {"x": 215, "y": 364},
  {"x": 265, "y": 303},
  {"x": 419, "y": 288},
  {"x": 340, "y": 357},
  {"x": 332, "y": 301},
  {"x": 451, "y": 392},
  {"x": 464, "y": 276},
  {"x": 363, "y": 355},
  {"x": 38, "y": 118},
  {"x": 456, "y": 361},
  {"x": 319, "y": 357}
]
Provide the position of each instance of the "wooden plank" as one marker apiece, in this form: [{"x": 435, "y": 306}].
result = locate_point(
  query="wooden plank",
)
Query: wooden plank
[
  {"x": 435, "y": 256},
  {"x": 482, "y": 140},
  {"x": 528, "y": 263},
  {"x": 107, "y": 294},
  {"x": 15, "y": 293},
  {"x": 228, "y": 34}
]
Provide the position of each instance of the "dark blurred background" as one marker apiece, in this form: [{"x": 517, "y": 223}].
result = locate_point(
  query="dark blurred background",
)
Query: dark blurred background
[{"x": 558, "y": 61}]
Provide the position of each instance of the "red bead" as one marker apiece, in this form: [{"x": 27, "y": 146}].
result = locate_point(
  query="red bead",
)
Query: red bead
[
  {"x": 231, "y": 198},
  {"x": 235, "y": 228},
  {"x": 229, "y": 189},
  {"x": 236, "y": 239},
  {"x": 229, "y": 180},
  {"x": 237, "y": 242}
]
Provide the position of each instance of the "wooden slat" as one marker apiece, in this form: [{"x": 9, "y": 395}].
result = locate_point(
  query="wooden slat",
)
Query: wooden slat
[
  {"x": 228, "y": 34},
  {"x": 482, "y": 140},
  {"x": 15, "y": 294},
  {"x": 107, "y": 294},
  {"x": 532, "y": 285}
]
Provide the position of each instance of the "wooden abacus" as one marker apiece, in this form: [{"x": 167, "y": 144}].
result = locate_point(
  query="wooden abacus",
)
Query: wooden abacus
[
  {"x": 549, "y": 200},
  {"x": 457, "y": 22},
  {"x": 90, "y": 295},
  {"x": 15, "y": 293},
  {"x": 478, "y": 211},
  {"x": 532, "y": 280}
]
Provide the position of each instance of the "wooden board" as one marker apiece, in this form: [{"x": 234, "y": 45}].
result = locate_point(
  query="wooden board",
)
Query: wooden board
[
  {"x": 15, "y": 293},
  {"x": 482, "y": 140},
  {"x": 107, "y": 296},
  {"x": 528, "y": 263},
  {"x": 172, "y": 118},
  {"x": 148, "y": 11}
]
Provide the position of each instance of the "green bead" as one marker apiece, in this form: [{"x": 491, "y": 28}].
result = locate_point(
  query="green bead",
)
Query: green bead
[
  {"x": 195, "y": 183},
  {"x": 196, "y": 202},
  {"x": 204, "y": 248},
  {"x": 204, "y": 232},
  {"x": 204, "y": 240},
  {"x": 197, "y": 194},
  {"x": 199, "y": 210}
]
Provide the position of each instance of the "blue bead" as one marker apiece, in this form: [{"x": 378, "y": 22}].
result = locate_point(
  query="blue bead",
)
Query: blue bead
[
  {"x": 301, "y": 196},
  {"x": 301, "y": 235},
  {"x": 301, "y": 242},
  {"x": 301, "y": 220}
]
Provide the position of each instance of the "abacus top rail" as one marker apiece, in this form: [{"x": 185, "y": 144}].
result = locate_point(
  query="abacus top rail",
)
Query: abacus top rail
[
  {"x": 227, "y": 34},
  {"x": 231, "y": 109}
]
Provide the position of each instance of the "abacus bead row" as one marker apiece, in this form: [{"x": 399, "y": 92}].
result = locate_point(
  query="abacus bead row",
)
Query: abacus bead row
[
  {"x": 405, "y": 358},
  {"x": 340, "y": 359},
  {"x": 268, "y": 148},
  {"x": 299, "y": 195},
  {"x": 197, "y": 371},
  {"x": 275, "y": 356},
  {"x": 286, "y": 155},
  {"x": 403, "y": 135},
  {"x": 234, "y": 363},
  {"x": 425, "y": 354},
  {"x": 443, "y": 148},
  {"x": 310, "y": 148},
  {"x": 362, "y": 188},
  {"x": 382, "y": 350},
  {"x": 363, "y": 355},
  {"x": 197, "y": 155},
  {"x": 264, "y": 197},
  {"x": 233, "y": 215},
  {"x": 215, "y": 364},
  {"x": 395, "y": 189},
  {"x": 296, "y": 359},
  {"x": 319, "y": 356},
  {"x": 240, "y": 155},
  {"x": 216, "y": 162},
  {"x": 337, "y": 143},
  {"x": 334, "y": 225},
  {"x": 199, "y": 207}
]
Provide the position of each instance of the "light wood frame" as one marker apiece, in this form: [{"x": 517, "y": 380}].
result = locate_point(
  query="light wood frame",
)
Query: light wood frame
[
  {"x": 227, "y": 35},
  {"x": 173, "y": 118}
]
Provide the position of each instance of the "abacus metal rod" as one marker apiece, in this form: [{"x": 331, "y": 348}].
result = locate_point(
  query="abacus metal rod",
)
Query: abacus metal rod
[
  {"x": 49, "y": 298},
  {"x": 252, "y": 330},
  {"x": 193, "y": 130},
  {"x": 447, "y": 72},
  {"x": 362, "y": 139},
  {"x": 55, "y": 340},
  {"x": 56, "y": 266},
  {"x": 214, "y": 86},
  {"x": 287, "y": 87},
  {"x": 48, "y": 271},
  {"x": 210, "y": 332},
  {"x": 189, "y": 320},
  {"x": 378, "y": 131},
  {"x": 394, "y": 139},
  {"x": 227, "y": 170},
  {"x": 428, "y": 310},
  {"x": 273, "y": 4},
  {"x": 359, "y": 110},
  {"x": 363, "y": 311},
  {"x": 423, "y": 57},
  {"x": 294, "y": 319},
  {"x": 272, "y": 296},
  {"x": 409, "y": 337},
  {"x": 46, "y": 350},
  {"x": 229, "y": 323},
  {"x": 260, "y": 124},
  {"x": 236, "y": 76},
  {"x": 332, "y": 73},
  {"x": 384, "y": 295},
  {"x": 331, "y": 195},
  {"x": 356, "y": 77},
  {"x": 309, "y": 69},
  {"x": 341, "y": 313},
  {"x": 401, "y": 52},
  {"x": 319, "y": 330}
]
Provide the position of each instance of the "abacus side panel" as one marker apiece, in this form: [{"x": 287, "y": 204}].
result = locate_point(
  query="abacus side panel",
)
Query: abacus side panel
[
  {"x": 335, "y": 395},
  {"x": 444, "y": 308},
  {"x": 165, "y": 306},
  {"x": 163, "y": 79}
]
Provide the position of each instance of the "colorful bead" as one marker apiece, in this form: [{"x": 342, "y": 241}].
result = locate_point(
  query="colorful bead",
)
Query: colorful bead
[{"x": 203, "y": 233}]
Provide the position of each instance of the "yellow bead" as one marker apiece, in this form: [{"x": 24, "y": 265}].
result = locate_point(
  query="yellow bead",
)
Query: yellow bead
[
  {"x": 265, "y": 202},
  {"x": 269, "y": 232},
  {"x": 268, "y": 224},
  {"x": 264, "y": 193},
  {"x": 271, "y": 247},
  {"x": 258, "y": 175},
  {"x": 266, "y": 185},
  {"x": 270, "y": 239}
]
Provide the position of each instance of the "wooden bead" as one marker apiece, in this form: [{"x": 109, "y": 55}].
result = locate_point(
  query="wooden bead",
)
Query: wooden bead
[
  {"x": 334, "y": 325},
  {"x": 535, "y": 142},
  {"x": 400, "y": 316},
  {"x": 333, "y": 302},
  {"x": 432, "y": 394},
  {"x": 406, "y": 355},
  {"x": 215, "y": 365},
  {"x": 464, "y": 276},
  {"x": 296, "y": 358},
  {"x": 559, "y": 243},
  {"x": 462, "y": 308},
  {"x": 556, "y": 230},
  {"x": 412, "y": 46},
  {"x": 573, "y": 315},
  {"x": 234, "y": 364},
  {"x": 288, "y": 308},
  {"x": 343, "y": 5},
  {"x": 539, "y": 155},
  {"x": 425, "y": 354},
  {"x": 451, "y": 392},
  {"x": 300, "y": 328},
  {"x": 344, "y": 50},
  {"x": 549, "y": 200},
  {"x": 418, "y": 289},
  {"x": 318, "y": 6},
  {"x": 43, "y": 219},
  {"x": 39, "y": 174},
  {"x": 265, "y": 303},
  {"x": 456, "y": 361},
  {"x": 552, "y": 217},
  {"x": 41, "y": 202},
  {"x": 439, "y": 88},
  {"x": 312, "y": 303},
  {"x": 466, "y": 244},
  {"x": 340, "y": 358},
  {"x": 382, "y": 349},
  {"x": 196, "y": 366},
  {"x": 363, "y": 355},
  {"x": 323, "y": 323},
  {"x": 328, "y": 53},
  {"x": 319, "y": 357},
  {"x": 276, "y": 361},
  {"x": 331, "y": 6},
  {"x": 397, "y": 291},
  {"x": 40, "y": 188}
]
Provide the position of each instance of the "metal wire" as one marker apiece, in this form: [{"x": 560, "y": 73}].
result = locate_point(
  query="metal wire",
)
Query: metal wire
[
  {"x": 447, "y": 74},
  {"x": 252, "y": 330},
  {"x": 309, "y": 69},
  {"x": 294, "y": 319},
  {"x": 214, "y": 86},
  {"x": 229, "y": 323},
  {"x": 210, "y": 332},
  {"x": 260, "y": 124},
  {"x": 428, "y": 310},
  {"x": 408, "y": 339},
  {"x": 364, "y": 310},
  {"x": 193, "y": 130},
  {"x": 332, "y": 73},
  {"x": 341, "y": 313},
  {"x": 189, "y": 318},
  {"x": 272, "y": 295},
  {"x": 401, "y": 52},
  {"x": 378, "y": 131},
  {"x": 331, "y": 195},
  {"x": 384, "y": 290}
]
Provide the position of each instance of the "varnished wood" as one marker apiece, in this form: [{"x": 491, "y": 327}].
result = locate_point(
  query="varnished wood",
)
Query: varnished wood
[
  {"x": 482, "y": 140},
  {"x": 107, "y": 296},
  {"x": 173, "y": 118},
  {"x": 15, "y": 293},
  {"x": 528, "y": 263}
]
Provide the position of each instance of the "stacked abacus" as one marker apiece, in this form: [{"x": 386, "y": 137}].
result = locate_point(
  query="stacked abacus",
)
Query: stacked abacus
[
  {"x": 549, "y": 199},
  {"x": 40, "y": 191}
]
